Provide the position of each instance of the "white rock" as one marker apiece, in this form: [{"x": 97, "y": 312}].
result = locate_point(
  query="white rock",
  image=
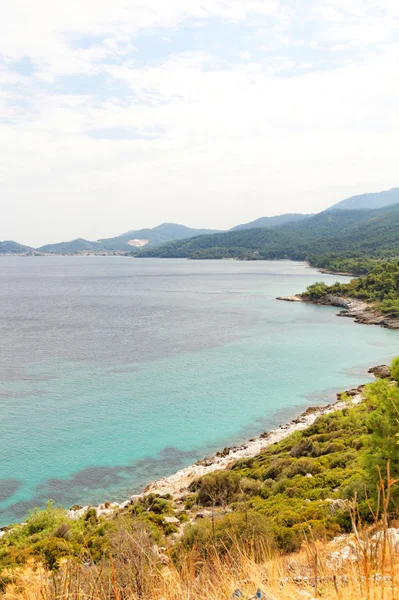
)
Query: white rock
[
  {"x": 203, "y": 514},
  {"x": 104, "y": 512},
  {"x": 172, "y": 520},
  {"x": 392, "y": 538},
  {"x": 76, "y": 514},
  {"x": 302, "y": 595}
]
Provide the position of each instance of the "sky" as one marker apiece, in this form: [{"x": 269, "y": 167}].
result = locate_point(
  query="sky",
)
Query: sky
[{"x": 122, "y": 114}]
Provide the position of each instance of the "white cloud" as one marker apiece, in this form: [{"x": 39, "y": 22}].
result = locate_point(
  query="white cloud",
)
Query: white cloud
[{"x": 234, "y": 141}]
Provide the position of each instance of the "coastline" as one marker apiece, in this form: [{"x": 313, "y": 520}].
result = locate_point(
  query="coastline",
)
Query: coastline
[
  {"x": 177, "y": 484},
  {"x": 364, "y": 313}
]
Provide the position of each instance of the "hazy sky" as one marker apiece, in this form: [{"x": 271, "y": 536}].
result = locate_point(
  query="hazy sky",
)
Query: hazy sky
[{"x": 120, "y": 114}]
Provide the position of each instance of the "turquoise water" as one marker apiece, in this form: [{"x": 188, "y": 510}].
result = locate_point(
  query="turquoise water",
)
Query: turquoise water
[{"x": 117, "y": 371}]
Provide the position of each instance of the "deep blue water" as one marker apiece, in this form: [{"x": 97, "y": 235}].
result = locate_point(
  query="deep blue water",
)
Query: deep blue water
[{"x": 116, "y": 371}]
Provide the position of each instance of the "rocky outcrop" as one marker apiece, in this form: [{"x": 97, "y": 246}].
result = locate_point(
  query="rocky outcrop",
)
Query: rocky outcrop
[
  {"x": 391, "y": 536},
  {"x": 296, "y": 298},
  {"x": 362, "y": 312},
  {"x": 337, "y": 505},
  {"x": 380, "y": 371}
]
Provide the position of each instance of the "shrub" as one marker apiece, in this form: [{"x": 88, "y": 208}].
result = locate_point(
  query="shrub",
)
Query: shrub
[{"x": 220, "y": 487}]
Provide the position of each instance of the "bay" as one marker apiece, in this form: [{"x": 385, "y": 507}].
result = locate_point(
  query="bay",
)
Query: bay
[{"x": 116, "y": 371}]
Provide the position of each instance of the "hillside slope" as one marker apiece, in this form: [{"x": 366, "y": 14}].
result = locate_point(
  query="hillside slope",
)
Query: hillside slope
[
  {"x": 272, "y": 221},
  {"x": 369, "y": 201},
  {"x": 331, "y": 231}
]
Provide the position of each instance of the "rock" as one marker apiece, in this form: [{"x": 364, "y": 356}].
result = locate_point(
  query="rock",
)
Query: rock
[
  {"x": 164, "y": 560},
  {"x": 346, "y": 553},
  {"x": 206, "y": 462},
  {"x": 104, "y": 512},
  {"x": 261, "y": 595},
  {"x": 172, "y": 520},
  {"x": 392, "y": 537},
  {"x": 296, "y": 298},
  {"x": 308, "y": 475},
  {"x": 75, "y": 514},
  {"x": 311, "y": 410},
  {"x": 381, "y": 371},
  {"x": 225, "y": 452},
  {"x": 302, "y": 595},
  {"x": 203, "y": 514},
  {"x": 337, "y": 505},
  {"x": 135, "y": 498},
  {"x": 338, "y": 301}
]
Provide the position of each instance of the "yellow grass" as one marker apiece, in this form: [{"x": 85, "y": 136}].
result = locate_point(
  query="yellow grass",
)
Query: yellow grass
[
  {"x": 372, "y": 574},
  {"x": 368, "y": 570}
]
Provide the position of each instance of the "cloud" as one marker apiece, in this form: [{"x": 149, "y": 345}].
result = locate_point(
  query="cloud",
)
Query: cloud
[{"x": 119, "y": 115}]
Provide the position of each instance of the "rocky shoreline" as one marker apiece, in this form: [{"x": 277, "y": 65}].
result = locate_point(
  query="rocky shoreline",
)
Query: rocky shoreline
[
  {"x": 177, "y": 485},
  {"x": 362, "y": 312}
]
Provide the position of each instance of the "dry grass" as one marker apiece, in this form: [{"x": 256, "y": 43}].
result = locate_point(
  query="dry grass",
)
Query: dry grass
[
  {"x": 361, "y": 566},
  {"x": 370, "y": 573}
]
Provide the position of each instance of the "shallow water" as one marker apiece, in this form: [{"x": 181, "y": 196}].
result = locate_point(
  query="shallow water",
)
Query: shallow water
[{"x": 116, "y": 371}]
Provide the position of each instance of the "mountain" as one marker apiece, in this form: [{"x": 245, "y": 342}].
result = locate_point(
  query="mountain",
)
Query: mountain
[
  {"x": 369, "y": 201},
  {"x": 371, "y": 231},
  {"x": 150, "y": 237},
  {"x": 127, "y": 241},
  {"x": 10, "y": 247},
  {"x": 272, "y": 221}
]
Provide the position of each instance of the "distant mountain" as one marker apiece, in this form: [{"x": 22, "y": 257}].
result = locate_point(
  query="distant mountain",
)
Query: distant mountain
[
  {"x": 272, "y": 221},
  {"x": 127, "y": 241},
  {"x": 151, "y": 237},
  {"x": 371, "y": 231},
  {"x": 369, "y": 201},
  {"x": 10, "y": 247},
  {"x": 72, "y": 247}
]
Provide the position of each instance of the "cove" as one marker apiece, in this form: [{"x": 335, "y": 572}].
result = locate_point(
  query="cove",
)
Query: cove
[{"x": 117, "y": 371}]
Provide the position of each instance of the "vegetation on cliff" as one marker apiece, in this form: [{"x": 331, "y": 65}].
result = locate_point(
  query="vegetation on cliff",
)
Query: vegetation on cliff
[{"x": 380, "y": 286}]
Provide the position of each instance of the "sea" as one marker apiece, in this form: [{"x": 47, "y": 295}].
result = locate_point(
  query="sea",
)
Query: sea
[{"x": 117, "y": 371}]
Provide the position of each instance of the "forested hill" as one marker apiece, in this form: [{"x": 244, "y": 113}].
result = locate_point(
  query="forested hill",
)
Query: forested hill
[
  {"x": 272, "y": 221},
  {"x": 371, "y": 232},
  {"x": 369, "y": 201}
]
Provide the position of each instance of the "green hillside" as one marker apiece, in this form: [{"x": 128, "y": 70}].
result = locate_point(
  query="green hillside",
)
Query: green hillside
[
  {"x": 272, "y": 221},
  {"x": 369, "y": 201},
  {"x": 374, "y": 232}
]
